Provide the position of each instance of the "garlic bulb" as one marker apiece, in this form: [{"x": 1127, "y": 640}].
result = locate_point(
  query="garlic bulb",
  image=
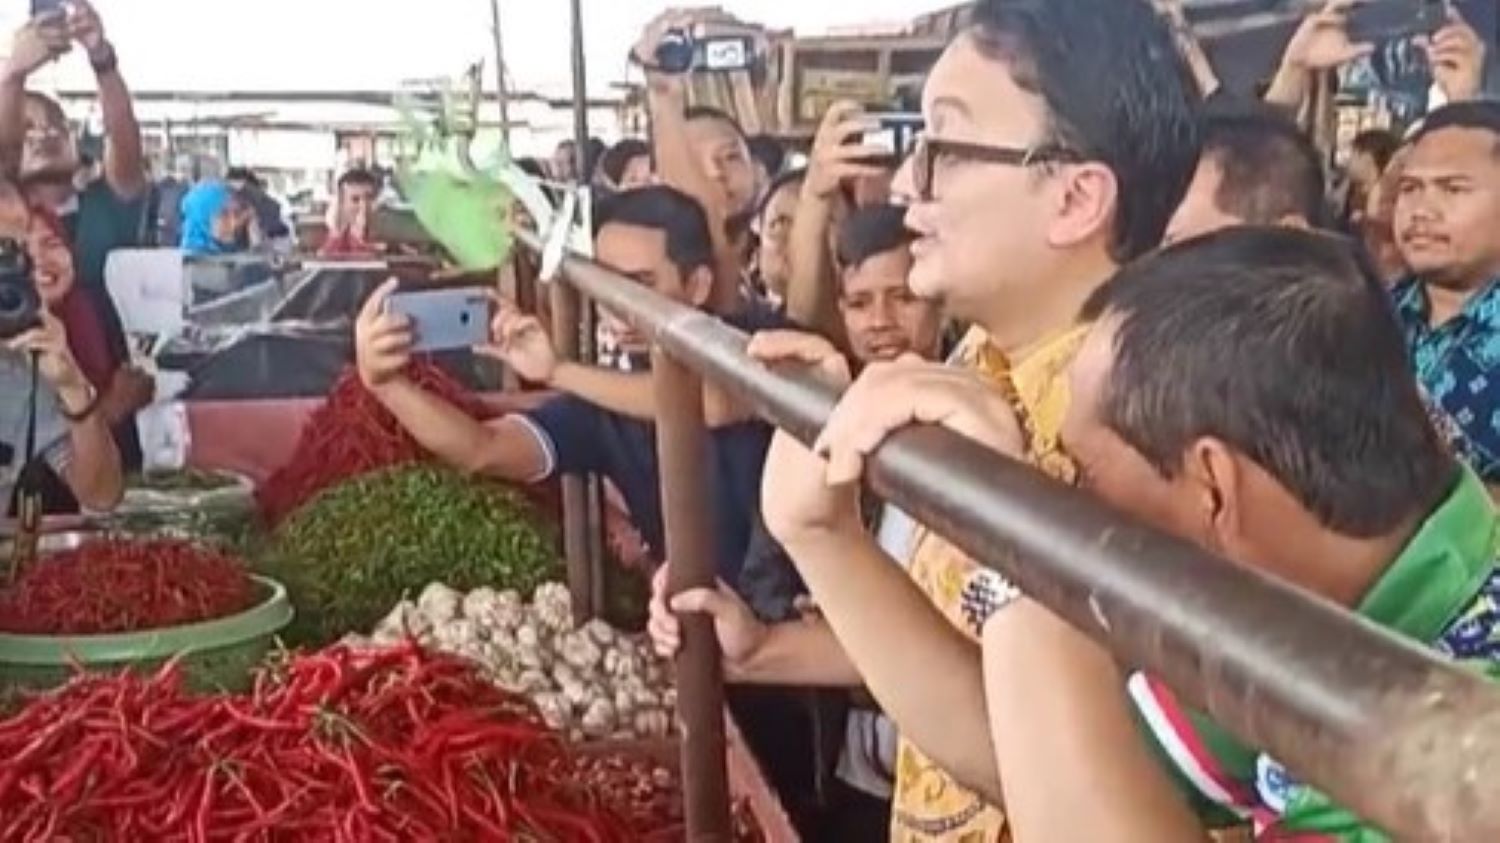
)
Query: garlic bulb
[
  {"x": 588, "y": 681},
  {"x": 440, "y": 603}
]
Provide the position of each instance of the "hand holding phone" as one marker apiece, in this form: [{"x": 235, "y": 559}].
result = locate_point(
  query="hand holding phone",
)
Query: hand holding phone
[
  {"x": 840, "y": 154},
  {"x": 43, "y": 39},
  {"x": 444, "y": 320},
  {"x": 1378, "y": 21},
  {"x": 49, "y": 9}
]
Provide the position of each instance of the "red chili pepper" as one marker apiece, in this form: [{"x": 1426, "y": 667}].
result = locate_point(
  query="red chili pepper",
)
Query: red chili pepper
[{"x": 387, "y": 746}]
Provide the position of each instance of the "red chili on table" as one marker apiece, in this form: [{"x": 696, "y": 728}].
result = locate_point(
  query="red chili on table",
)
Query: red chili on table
[
  {"x": 350, "y": 435},
  {"x": 396, "y": 744},
  {"x": 112, "y": 586}
]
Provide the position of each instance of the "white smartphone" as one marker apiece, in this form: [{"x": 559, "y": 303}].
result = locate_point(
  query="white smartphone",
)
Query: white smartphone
[{"x": 443, "y": 320}]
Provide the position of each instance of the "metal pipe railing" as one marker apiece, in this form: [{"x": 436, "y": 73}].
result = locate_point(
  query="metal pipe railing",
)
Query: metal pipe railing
[{"x": 1381, "y": 725}]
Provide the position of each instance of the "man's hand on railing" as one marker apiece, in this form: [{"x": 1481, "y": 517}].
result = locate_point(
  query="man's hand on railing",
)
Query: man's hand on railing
[
  {"x": 796, "y": 501},
  {"x": 911, "y": 390},
  {"x": 1456, "y": 53},
  {"x": 520, "y": 342},
  {"x": 382, "y": 341},
  {"x": 740, "y": 633}
]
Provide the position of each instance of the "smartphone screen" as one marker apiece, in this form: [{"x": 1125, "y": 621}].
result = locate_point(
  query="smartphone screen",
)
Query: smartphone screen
[
  {"x": 48, "y": 8},
  {"x": 444, "y": 320},
  {"x": 1378, "y": 21}
]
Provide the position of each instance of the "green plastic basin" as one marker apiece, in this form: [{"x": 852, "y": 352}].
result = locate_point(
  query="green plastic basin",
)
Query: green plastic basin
[{"x": 215, "y": 655}]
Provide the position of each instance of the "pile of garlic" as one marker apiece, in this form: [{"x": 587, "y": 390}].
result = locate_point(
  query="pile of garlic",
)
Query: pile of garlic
[{"x": 591, "y": 682}]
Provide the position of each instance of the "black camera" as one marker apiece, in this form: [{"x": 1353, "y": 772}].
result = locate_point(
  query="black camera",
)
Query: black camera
[
  {"x": 20, "y": 306},
  {"x": 680, "y": 53}
]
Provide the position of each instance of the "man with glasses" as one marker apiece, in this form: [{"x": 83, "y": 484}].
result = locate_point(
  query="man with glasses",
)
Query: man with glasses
[{"x": 1061, "y": 137}]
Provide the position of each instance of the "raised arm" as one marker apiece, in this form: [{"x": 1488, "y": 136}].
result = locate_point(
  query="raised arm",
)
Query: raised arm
[
  {"x": 812, "y": 290},
  {"x": 506, "y": 448},
  {"x": 124, "y": 156},
  {"x": 911, "y": 657},
  {"x": 1321, "y": 43},
  {"x": 677, "y": 165},
  {"x": 35, "y": 44}
]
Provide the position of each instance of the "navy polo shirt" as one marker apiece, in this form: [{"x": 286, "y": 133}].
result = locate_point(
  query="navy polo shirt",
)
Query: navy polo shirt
[{"x": 582, "y": 438}]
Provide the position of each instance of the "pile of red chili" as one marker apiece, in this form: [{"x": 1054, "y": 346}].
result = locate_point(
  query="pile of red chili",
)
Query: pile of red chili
[
  {"x": 339, "y": 745},
  {"x": 112, "y": 586},
  {"x": 350, "y": 435}
]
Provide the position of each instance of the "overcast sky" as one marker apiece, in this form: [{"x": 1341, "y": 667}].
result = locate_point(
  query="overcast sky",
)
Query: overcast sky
[{"x": 240, "y": 44}]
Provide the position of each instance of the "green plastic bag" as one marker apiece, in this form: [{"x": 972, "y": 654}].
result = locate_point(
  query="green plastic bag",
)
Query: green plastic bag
[{"x": 464, "y": 211}]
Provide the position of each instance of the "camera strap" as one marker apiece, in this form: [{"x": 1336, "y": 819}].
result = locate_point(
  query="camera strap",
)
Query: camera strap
[
  {"x": 28, "y": 453},
  {"x": 28, "y": 491}
]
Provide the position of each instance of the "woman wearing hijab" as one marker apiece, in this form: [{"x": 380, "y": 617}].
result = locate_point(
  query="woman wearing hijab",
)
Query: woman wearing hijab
[{"x": 212, "y": 219}]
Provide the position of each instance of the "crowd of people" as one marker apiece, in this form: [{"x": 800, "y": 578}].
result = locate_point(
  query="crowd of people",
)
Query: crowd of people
[{"x": 1096, "y": 260}]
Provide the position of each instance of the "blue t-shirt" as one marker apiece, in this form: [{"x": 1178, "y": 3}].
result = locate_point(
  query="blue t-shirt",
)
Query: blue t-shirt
[{"x": 582, "y": 438}]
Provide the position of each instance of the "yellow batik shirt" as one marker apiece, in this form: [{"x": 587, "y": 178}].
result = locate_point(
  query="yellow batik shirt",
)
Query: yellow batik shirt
[{"x": 928, "y": 804}]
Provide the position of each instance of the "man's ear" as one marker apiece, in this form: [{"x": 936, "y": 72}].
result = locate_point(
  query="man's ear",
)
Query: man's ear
[
  {"x": 1213, "y": 470},
  {"x": 1090, "y": 194},
  {"x": 699, "y": 286}
]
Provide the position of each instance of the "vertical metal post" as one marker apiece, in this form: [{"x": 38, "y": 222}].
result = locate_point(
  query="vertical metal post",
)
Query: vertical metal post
[
  {"x": 584, "y": 324},
  {"x": 580, "y": 92},
  {"x": 501, "y": 91},
  {"x": 575, "y": 498},
  {"x": 682, "y": 449}
]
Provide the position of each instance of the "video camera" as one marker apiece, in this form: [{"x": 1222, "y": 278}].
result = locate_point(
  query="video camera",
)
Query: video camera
[
  {"x": 679, "y": 52},
  {"x": 20, "y": 306}
]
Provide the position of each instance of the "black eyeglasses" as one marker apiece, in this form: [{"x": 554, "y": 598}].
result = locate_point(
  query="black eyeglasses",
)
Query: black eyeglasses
[{"x": 929, "y": 150}]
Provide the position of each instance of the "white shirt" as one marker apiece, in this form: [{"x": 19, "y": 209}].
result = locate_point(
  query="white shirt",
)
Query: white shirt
[{"x": 868, "y": 762}]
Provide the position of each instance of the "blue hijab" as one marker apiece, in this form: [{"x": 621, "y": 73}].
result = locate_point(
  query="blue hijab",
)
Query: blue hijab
[{"x": 200, "y": 208}]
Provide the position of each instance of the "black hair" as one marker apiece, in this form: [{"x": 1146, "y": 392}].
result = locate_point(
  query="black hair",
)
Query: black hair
[
  {"x": 620, "y": 155},
  {"x": 1282, "y": 343},
  {"x": 1379, "y": 144},
  {"x": 1116, "y": 89},
  {"x": 244, "y": 174},
  {"x": 531, "y": 167},
  {"x": 781, "y": 182},
  {"x": 769, "y": 152},
  {"x": 1481, "y": 115},
  {"x": 360, "y": 176},
  {"x": 872, "y": 231},
  {"x": 706, "y": 112},
  {"x": 1269, "y": 170},
  {"x": 593, "y": 153},
  {"x": 54, "y": 109},
  {"x": 675, "y": 214}
]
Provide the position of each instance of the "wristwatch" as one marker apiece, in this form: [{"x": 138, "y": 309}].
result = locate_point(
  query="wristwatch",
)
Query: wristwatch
[
  {"x": 77, "y": 416},
  {"x": 106, "y": 62}
]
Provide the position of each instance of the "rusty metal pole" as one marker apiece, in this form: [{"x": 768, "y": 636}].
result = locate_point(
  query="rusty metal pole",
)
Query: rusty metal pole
[
  {"x": 575, "y": 497},
  {"x": 682, "y": 449}
]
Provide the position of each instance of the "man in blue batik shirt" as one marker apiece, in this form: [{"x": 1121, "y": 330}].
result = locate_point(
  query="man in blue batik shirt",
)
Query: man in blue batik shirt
[{"x": 1448, "y": 230}]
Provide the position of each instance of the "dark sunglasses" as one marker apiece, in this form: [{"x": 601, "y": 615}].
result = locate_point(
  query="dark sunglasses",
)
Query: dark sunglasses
[{"x": 929, "y": 150}]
